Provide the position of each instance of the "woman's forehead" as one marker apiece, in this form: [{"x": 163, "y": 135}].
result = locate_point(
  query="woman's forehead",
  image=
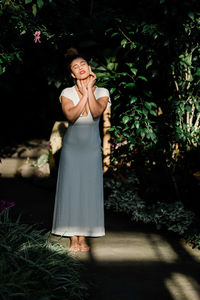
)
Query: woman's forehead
[{"x": 78, "y": 61}]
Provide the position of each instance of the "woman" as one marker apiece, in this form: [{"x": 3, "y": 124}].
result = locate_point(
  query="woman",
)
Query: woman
[{"x": 79, "y": 203}]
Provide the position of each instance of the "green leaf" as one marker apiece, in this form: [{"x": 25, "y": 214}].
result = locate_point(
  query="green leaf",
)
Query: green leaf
[
  {"x": 138, "y": 111},
  {"x": 130, "y": 85},
  {"x": 133, "y": 100},
  {"x": 40, "y": 3},
  {"x": 18, "y": 57},
  {"x": 114, "y": 34},
  {"x": 28, "y": 1},
  {"x": 112, "y": 90},
  {"x": 143, "y": 78},
  {"x": 2, "y": 70},
  {"x": 129, "y": 64},
  {"x": 149, "y": 64},
  {"x": 134, "y": 71},
  {"x": 188, "y": 108},
  {"x": 155, "y": 35},
  {"x": 153, "y": 113},
  {"x": 147, "y": 105},
  {"x": 116, "y": 97},
  {"x": 197, "y": 73},
  {"x": 125, "y": 119},
  {"x": 137, "y": 124},
  {"x": 153, "y": 104},
  {"x": 34, "y": 9},
  {"x": 142, "y": 133},
  {"x": 191, "y": 15},
  {"x": 145, "y": 112},
  {"x": 132, "y": 46},
  {"x": 197, "y": 106},
  {"x": 123, "y": 43}
]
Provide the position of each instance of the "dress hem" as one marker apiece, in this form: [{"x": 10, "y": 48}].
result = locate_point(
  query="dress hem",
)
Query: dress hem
[{"x": 78, "y": 234}]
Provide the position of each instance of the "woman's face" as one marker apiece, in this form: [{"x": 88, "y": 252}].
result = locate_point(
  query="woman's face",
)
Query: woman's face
[{"x": 80, "y": 68}]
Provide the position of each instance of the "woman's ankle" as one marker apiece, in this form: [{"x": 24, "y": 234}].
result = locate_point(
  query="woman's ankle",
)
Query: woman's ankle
[{"x": 74, "y": 239}]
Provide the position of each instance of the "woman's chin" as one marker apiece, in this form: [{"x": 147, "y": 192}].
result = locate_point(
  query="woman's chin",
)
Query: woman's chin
[{"x": 83, "y": 77}]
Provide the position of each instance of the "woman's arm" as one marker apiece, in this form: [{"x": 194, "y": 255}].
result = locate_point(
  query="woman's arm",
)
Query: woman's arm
[
  {"x": 73, "y": 112},
  {"x": 97, "y": 106}
]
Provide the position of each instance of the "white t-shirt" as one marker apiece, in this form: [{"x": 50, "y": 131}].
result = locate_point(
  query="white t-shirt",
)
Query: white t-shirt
[{"x": 72, "y": 94}]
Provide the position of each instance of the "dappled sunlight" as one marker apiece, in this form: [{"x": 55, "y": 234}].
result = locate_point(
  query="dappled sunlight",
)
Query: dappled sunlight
[
  {"x": 182, "y": 287},
  {"x": 126, "y": 246},
  {"x": 20, "y": 161},
  {"x": 194, "y": 253},
  {"x": 146, "y": 264}
]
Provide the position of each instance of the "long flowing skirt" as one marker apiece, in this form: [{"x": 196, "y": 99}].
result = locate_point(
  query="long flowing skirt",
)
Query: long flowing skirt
[{"x": 79, "y": 204}]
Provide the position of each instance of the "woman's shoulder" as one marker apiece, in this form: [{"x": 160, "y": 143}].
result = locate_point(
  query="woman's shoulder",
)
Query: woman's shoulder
[
  {"x": 100, "y": 88},
  {"x": 102, "y": 91},
  {"x": 67, "y": 92}
]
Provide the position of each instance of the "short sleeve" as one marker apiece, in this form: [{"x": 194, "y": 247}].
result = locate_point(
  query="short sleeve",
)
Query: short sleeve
[
  {"x": 66, "y": 93},
  {"x": 103, "y": 92}
]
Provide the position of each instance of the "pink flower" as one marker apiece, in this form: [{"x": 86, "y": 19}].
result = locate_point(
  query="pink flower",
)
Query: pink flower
[
  {"x": 120, "y": 144},
  {"x": 37, "y": 37}
]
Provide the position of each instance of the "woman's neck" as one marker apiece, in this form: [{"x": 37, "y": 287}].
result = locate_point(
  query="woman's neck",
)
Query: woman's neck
[{"x": 85, "y": 81}]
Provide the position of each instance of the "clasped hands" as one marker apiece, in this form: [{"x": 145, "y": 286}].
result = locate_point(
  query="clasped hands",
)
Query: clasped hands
[{"x": 84, "y": 88}]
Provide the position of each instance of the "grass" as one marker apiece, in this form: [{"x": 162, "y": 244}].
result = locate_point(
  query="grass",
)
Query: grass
[{"x": 33, "y": 268}]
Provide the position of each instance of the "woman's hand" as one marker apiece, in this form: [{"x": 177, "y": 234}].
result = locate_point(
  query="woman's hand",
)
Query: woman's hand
[
  {"x": 81, "y": 87},
  {"x": 92, "y": 80}
]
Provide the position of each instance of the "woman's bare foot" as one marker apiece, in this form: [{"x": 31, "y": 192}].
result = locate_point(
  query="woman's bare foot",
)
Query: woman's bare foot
[
  {"x": 75, "y": 247},
  {"x": 82, "y": 244}
]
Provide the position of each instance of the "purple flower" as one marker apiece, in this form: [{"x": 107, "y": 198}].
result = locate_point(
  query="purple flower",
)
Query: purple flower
[
  {"x": 11, "y": 204},
  {"x": 6, "y": 204},
  {"x": 3, "y": 207}
]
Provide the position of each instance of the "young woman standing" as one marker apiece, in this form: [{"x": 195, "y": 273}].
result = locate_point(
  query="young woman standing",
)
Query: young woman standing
[{"x": 79, "y": 201}]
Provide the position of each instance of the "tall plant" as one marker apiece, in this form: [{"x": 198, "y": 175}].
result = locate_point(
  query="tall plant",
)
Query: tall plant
[
  {"x": 186, "y": 79},
  {"x": 134, "y": 110}
]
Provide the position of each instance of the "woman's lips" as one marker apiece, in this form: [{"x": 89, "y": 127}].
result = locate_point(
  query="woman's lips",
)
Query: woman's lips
[{"x": 82, "y": 72}]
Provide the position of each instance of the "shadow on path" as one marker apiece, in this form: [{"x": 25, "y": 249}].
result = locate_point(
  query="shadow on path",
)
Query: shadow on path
[{"x": 132, "y": 262}]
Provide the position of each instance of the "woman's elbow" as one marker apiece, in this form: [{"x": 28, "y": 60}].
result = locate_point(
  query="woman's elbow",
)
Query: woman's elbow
[
  {"x": 69, "y": 117},
  {"x": 98, "y": 113}
]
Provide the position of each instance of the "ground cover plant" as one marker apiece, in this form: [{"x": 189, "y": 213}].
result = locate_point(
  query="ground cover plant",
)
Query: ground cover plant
[
  {"x": 127, "y": 196},
  {"x": 34, "y": 268}
]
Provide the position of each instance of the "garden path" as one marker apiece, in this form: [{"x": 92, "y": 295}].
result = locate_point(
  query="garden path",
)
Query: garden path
[
  {"x": 131, "y": 262},
  {"x": 136, "y": 262}
]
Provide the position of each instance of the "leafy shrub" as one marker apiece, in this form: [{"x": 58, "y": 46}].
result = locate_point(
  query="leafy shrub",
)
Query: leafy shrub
[
  {"x": 33, "y": 268},
  {"x": 193, "y": 239},
  {"x": 125, "y": 197}
]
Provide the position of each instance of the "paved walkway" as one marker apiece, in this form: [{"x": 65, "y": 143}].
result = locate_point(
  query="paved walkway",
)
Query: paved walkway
[
  {"x": 140, "y": 264},
  {"x": 131, "y": 262}
]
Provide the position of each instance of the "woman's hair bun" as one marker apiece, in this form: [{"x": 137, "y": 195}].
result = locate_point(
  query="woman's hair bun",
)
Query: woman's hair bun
[
  {"x": 71, "y": 52},
  {"x": 70, "y": 55}
]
